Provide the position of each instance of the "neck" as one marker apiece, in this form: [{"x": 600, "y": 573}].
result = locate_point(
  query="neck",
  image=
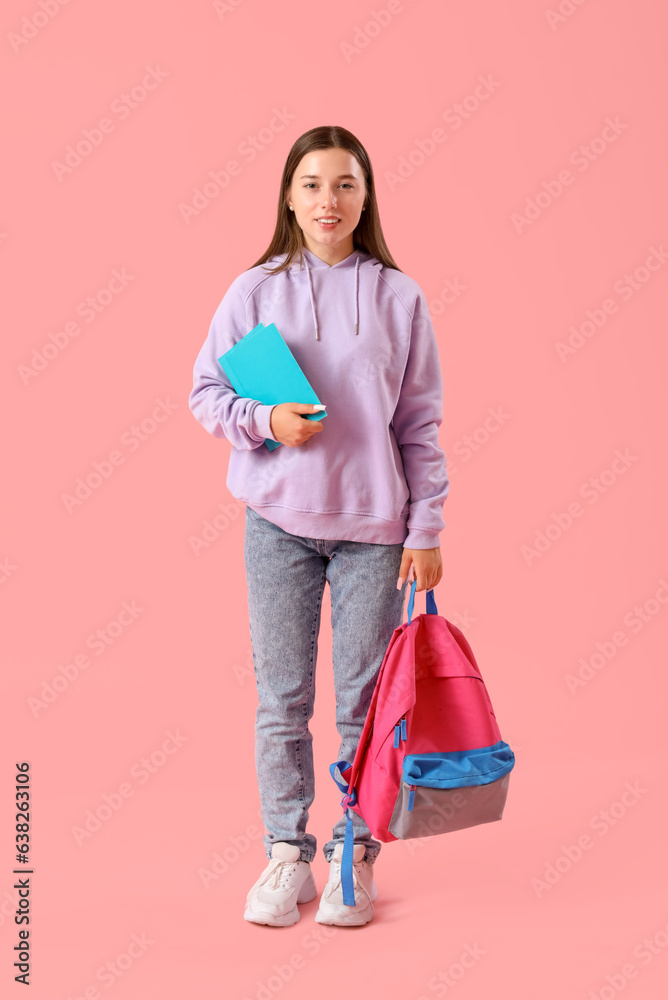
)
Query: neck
[{"x": 332, "y": 255}]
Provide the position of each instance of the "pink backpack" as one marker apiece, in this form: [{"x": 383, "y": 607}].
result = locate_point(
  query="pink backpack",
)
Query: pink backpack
[{"x": 430, "y": 758}]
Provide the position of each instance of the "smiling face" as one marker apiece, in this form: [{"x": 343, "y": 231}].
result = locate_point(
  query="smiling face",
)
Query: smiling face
[{"x": 328, "y": 184}]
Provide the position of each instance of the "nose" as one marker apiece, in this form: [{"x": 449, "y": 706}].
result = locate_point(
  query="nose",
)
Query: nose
[{"x": 328, "y": 197}]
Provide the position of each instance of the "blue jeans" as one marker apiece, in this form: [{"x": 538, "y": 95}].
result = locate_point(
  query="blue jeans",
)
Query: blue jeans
[{"x": 286, "y": 576}]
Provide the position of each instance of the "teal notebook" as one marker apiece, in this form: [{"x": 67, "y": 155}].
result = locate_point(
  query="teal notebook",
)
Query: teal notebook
[{"x": 262, "y": 366}]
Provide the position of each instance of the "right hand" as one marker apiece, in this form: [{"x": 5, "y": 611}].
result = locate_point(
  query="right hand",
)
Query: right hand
[{"x": 289, "y": 427}]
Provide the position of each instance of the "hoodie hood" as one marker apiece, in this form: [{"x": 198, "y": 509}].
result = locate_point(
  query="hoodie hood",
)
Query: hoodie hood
[{"x": 351, "y": 263}]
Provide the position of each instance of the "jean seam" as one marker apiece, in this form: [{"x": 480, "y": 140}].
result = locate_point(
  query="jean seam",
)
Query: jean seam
[{"x": 305, "y": 706}]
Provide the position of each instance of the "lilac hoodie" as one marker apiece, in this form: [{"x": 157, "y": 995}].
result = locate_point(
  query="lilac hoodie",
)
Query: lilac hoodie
[{"x": 363, "y": 336}]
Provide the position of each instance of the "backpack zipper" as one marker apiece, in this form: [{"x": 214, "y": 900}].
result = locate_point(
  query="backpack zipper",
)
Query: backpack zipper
[
  {"x": 400, "y": 731},
  {"x": 400, "y": 734}
]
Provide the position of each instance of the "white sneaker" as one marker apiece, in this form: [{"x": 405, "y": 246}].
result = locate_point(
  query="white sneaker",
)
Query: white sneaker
[
  {"x": 332, "y": 909},
  {"x": 285, "y": 882}
]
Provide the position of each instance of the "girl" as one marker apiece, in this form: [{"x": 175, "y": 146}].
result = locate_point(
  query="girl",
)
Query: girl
[{"x": 354, "y": 499}]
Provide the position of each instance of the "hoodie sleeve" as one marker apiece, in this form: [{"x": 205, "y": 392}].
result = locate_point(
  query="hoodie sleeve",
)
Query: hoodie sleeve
[
  {"x": 213, "y": 401},
  {"x": 417, "y": 417}
]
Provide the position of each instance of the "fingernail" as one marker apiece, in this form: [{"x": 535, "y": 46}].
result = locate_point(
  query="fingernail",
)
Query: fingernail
[
  {"x": 400, "y": 583},
  {"x": 319, "y": 406}
]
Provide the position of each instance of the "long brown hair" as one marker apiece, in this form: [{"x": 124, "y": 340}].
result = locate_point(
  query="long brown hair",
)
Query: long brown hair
[{"x": 288, "y": 237}]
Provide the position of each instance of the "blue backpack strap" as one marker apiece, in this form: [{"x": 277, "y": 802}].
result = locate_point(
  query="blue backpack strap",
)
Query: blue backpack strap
[
  {"x": 347, "y": 856},
  {"x": 431, "y": 603}
]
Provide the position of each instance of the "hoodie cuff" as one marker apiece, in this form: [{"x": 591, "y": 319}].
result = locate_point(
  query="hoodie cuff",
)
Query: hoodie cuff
[
  {"x": 418, "y": 539},
  {"x": 260, "y": 421}
]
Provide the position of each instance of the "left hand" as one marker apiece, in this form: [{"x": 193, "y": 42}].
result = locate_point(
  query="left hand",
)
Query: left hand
[{"x": 427, "y": 567}]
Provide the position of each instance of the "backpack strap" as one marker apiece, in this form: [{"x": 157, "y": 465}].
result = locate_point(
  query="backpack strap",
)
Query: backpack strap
[
  {"x": 431, "y": 603},
  {"x": 350, "y": 799},
  {"x": 347, "y": 855}
]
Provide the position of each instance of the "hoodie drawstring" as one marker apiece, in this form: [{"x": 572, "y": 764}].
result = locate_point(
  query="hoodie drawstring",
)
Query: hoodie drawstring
[
  {"x": 357, "y": 282},
  {"x": 310, "y": 288}
]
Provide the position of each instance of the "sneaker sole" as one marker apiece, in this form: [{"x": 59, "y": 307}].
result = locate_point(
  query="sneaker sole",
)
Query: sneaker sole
[
  {"x": 344, "y": 919},
  {"x": 330, "y": 913},
  {"x": 283, "y": 919}
]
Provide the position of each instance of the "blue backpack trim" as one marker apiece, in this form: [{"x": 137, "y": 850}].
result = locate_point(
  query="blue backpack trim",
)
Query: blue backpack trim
[
  {"x": 347, "y": 884},
  {"x": 431, "y": 602},
  {"x": 459, "y": 768}
]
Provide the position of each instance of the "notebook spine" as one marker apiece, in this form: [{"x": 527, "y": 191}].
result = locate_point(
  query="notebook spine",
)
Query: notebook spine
[{"x": 236, "y": 382}]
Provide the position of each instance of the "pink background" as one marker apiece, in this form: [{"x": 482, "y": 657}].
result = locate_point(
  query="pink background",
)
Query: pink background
[{"x": 183, "y": 663}]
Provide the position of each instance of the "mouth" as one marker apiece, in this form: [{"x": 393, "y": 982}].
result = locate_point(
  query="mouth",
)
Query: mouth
[{"x": 328, "y": 222}]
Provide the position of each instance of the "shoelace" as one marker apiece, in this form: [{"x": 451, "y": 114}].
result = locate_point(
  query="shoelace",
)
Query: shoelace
[
  {"x": 277, "y": 877},
  {"x": 337, "y": 875}
]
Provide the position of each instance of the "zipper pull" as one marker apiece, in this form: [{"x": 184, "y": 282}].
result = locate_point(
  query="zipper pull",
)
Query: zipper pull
[
  {"x": 411, "y": 797},
  {"x": 396, "y": 735},
  {"x": 403, "y": 728}
]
